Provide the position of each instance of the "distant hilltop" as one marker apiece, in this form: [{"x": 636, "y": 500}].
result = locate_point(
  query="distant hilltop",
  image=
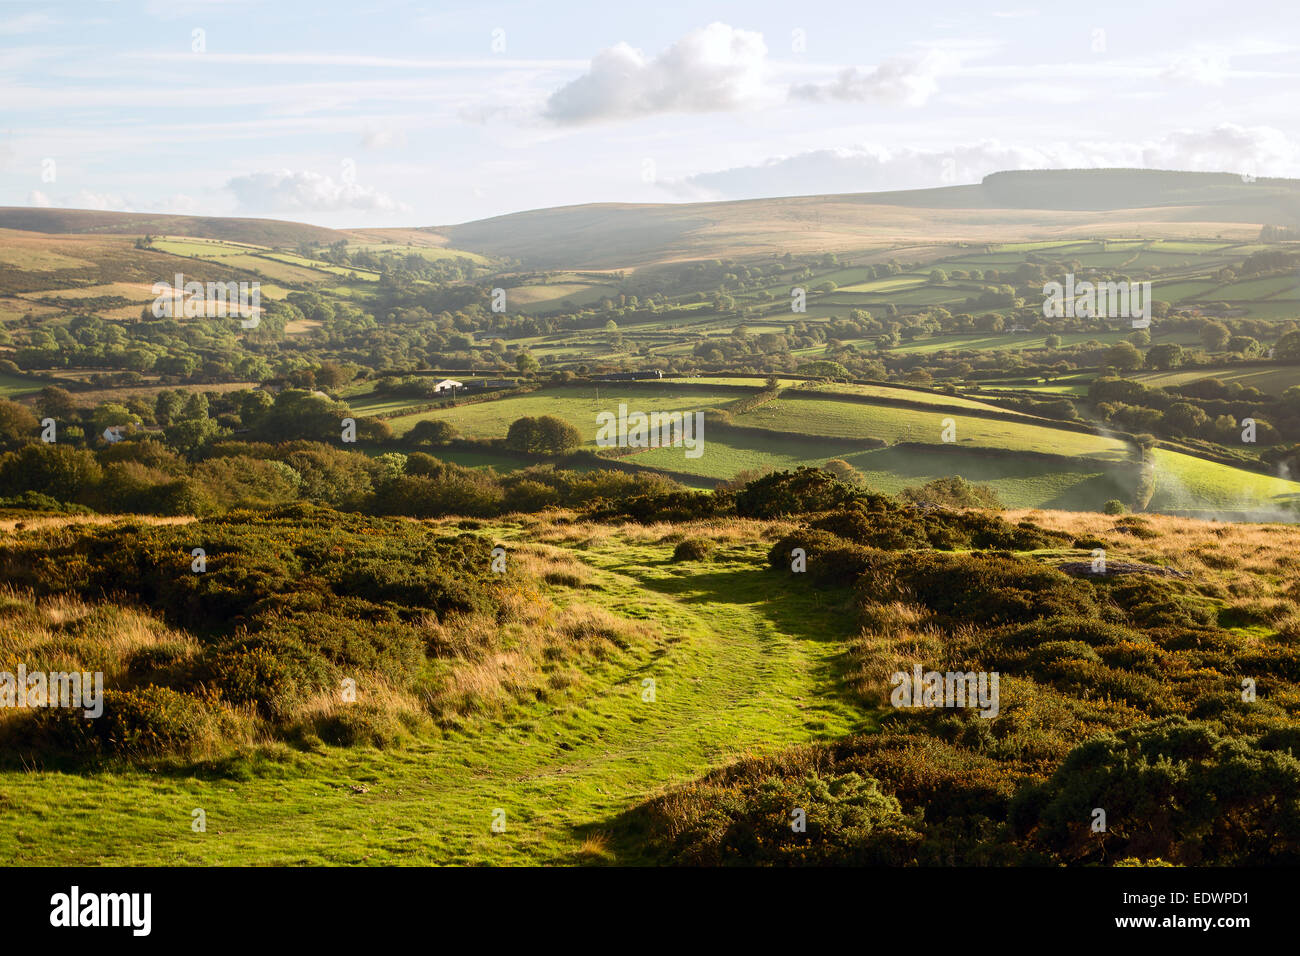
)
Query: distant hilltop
[
  {"x": 262, "y": 232},
  {"x": 1004, "y": 206},
  {"x": 1129, "y": 189}
]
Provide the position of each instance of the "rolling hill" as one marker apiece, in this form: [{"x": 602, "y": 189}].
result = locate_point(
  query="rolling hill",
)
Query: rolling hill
[
  {"x": 269, "y": 232},
  {"x": 1025, "y": 205}
]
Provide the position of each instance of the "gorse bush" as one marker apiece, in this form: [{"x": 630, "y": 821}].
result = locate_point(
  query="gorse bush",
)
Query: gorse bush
[
  {"x": 1117, "y": 692},
  {"x": 287, "y": 605},
  {"x": 693, "y": 549}
]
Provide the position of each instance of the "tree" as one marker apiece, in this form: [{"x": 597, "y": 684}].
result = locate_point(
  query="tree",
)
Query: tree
[
  {"x": 557, "y": 436},
  {"x": 190, "y": 435},
  {"x": 431, "y": 431},
  {"x": 67, "y": 474},
  {"x": 1245, "y": 344},
  {"x": 1215, "y": 336},
  {"x": 56, "y": 403},
  {"x": 196, "y": 406},
  {"x": 167, "y": 407},
  {"x": 1165, "y": 356},
  {"x": 546, "y": 435},
  {"x": 952, "y": 492},
  {"x": 1182, "y": 418},
  {"x": 109, "y": 414},
  {"x": 17, "y": 423},
  {"x": 1288, "y": 346},
  {"x": 1123, "y": 356},
  {"x": 526, "y": 363}
]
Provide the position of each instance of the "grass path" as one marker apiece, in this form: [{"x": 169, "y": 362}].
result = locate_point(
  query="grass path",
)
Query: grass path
[{"x": 742, "y": 666}]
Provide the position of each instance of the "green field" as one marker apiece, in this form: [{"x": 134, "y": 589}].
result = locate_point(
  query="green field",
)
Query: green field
[
  {"x": 1186, "y": 483},
  {"x": 577, "y": 404},
  {"x": 845, "y": 419},
  {"x": 1271, "y": 380},
  {"x": 12, "y": 386}
]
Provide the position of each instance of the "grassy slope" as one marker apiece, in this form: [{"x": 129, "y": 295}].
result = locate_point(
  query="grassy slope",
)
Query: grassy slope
[
  {"x": 1184, "y": 482},
  {"x": 812, "y": 416},
  {"x": 576, "y": 404},
  {"x": 1188, "y": 483},
  {"x": 739, "y": 669},
  {"x": 1272, "y": 379},
  {"x": 1019, "y": 483}
]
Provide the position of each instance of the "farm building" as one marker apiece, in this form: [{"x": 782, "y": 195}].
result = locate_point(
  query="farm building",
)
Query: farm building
[{"x": 447, "y": 385}]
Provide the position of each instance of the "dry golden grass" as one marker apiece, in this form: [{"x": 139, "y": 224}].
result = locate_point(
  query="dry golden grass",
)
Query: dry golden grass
[
  {"x": 65, "y": 633},
  {"x": 384, "y": 706},
  {"x": 487, "y": 663},
  {"x": 1227, "y": 561},
  {"x": 894, "y": 638},
  {"x": 64, "y": 521},
  {"x": 595, "y": 846}
]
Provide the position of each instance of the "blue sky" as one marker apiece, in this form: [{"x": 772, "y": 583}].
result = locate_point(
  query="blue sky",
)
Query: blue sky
[{"x": 388, "y": 112}]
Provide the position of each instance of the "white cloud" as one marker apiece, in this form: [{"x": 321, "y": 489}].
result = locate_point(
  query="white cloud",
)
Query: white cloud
[
  {"x": 304, "y": 191},
  {"x": 866, "y": 168},
  {"x": 383, "y": 139},
  {"x": 104, "y": 202},
  {"x": 1258, "y": 150},
  {"x": 1197, "y": 71},
  {"x": 902, "y": 81},
  {"x": 38, "y": 198},
  {"x": 715, "y": 68},
  {"x": 26, "y": 23},
  {"x": 1261, "y": 151}
]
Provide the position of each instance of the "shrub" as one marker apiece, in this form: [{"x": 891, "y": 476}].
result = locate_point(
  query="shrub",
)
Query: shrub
[
  {"x": 693, "y": 549},
  {"x": 148, "y": 721},
  {"x": 1174, "y": 790},
  {"x": 790, "y": 493},
  {"x": 952, "y": 492}
]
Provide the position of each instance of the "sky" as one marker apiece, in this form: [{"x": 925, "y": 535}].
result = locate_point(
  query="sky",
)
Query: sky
[{"x": 399, "y": 113}]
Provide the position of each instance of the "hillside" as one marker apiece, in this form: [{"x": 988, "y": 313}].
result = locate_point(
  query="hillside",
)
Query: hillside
[
  {"x": 270, "y": 232},
  {"x": 1030, "y": 204},
  {"x": 1039, "y": 204}
]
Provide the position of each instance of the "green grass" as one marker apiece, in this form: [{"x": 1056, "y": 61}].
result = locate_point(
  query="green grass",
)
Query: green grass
[
  {"x": 1271, "y": 380},
  {"x": 13, "y": 385},
  {"x": 1187, "y": 483},
  {"x": 204, "y": 248},
  {"x": 848, "y": 388},
  {"x": 995, "y": 341},
  {"x": 740, "y": 668},
  {"x": 432, "y": 253},
  {"x": 841, "y": 419},
  {"x": 1020, "y": 483},
  {"x": 577, "y": 404}
]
